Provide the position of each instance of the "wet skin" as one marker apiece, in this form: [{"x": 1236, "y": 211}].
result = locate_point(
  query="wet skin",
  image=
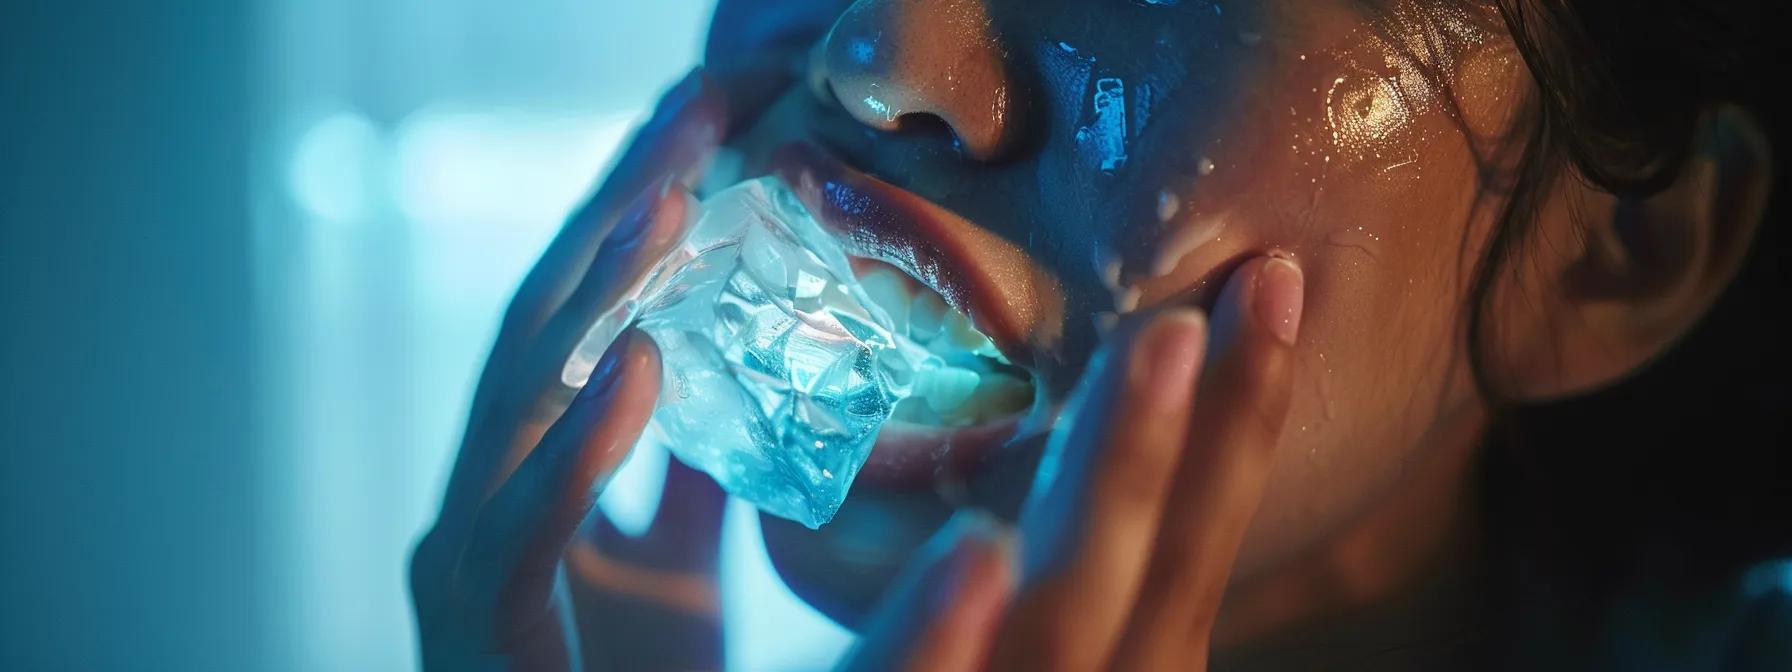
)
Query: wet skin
[{"x": 1133, "y": 155}]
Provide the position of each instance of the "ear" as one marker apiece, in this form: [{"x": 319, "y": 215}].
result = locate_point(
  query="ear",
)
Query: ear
[{"x": 1610, "y": 283}]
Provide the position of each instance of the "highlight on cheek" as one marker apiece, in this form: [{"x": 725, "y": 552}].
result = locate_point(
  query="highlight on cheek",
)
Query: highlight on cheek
[
  {"x": 1364, "y": 112},
  {"x": 1361, "y": 109},
  {"x": 1392, "y": 80}
]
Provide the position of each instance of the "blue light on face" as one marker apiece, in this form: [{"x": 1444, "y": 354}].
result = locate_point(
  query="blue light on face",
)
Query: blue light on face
[{"x": 861, "y": 50}]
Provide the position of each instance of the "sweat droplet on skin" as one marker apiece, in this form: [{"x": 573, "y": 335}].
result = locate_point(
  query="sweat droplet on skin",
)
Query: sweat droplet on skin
[
  {"x": 1183, "y": 241},
  {"x": 1110, "y": 275},
  {"x": 1128, "y": 300},
  {"x": 1126, "y": 297},
  {"x": 1167, "y": 206}
]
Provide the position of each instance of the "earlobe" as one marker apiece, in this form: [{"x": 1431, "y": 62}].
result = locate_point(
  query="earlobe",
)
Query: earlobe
[{"x": 1647, "y": 268}]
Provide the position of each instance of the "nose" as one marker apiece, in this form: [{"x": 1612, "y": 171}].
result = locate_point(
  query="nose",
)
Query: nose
[{"x": 889, "y": 61}]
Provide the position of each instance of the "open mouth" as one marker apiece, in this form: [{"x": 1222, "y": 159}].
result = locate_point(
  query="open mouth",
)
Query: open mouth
[
  {"x": 968, "y": 297},
  {"x": 960, "y": 411},
  {"x": 974, "y": 383}
]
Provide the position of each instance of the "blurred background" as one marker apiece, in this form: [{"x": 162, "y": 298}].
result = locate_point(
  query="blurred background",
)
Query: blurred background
[{"x": 252, "y": 256}]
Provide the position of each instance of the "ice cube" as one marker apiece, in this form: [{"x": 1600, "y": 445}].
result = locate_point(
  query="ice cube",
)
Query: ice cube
[{"x": 779, "y": 370}]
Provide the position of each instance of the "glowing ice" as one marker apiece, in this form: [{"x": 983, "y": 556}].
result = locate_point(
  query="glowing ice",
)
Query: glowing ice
[{"x": 779, "y": 370}]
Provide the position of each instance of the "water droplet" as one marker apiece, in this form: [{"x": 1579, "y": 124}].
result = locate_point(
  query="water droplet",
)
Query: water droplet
[
  {"x": 1110, "y": 275},
  {"x": 1184, "y": 239},
  {"x": 1128, "y": 300},
  {"x": 1325, "y": 386},
  {"x": 1206, "y": 166},
  {"x": 1167, "y": 205}
]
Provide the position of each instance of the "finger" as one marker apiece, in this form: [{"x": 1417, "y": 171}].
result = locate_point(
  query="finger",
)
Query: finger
[
  {"x": 685, "y": 531},
  {"x": 508, "y": 567},
  {"x": 672, "y": 147},
  {"x": 501, "y": 434},
  {"x": 1091, "y": 519},
  {"x": 943, "y": 611},
  {"x": 677, "y": 142},
  {"x": 656, "y": 592},
  {"x": 1220, "y": 480},
  {"x": 656, "y": 224}
]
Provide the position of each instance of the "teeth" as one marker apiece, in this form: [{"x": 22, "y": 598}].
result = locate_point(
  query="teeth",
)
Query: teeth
[
  {"x": 896, "y": 368},
  {"x": 963, "y": 335},
  {"x": 954, "y": 397},
  {"x": 925, "y": 317},
  {"x": 916, "y": 410},
  {"x": 946, "y": 388},
  {"x": 961, "y": 388},
  {"x": 887, "y": 290}
]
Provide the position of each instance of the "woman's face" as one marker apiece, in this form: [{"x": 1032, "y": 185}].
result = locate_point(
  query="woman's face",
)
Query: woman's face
[{"x": 1048, "y": 166}]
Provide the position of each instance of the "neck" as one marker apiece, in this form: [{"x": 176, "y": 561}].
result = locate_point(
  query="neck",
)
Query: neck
[{"x": 1400, "y": 579}]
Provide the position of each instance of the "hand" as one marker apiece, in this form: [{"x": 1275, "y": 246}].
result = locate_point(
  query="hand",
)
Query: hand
[
  {"x": 1126, "y": 545},
  {"x": 488, "y": 580},
  {"x": 498, "y": 579}
]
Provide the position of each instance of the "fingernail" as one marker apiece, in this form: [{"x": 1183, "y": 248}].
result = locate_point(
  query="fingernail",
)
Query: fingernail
[
  {"x": 1277, "y": 297},
  {"x": 969, "y": 538},
  {"x": 603, "y": 377},
  {"x": 1166, "y": 356},
  {"x": 638, "y": 218}
]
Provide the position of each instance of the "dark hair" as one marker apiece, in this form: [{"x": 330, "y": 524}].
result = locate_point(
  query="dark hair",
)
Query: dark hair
[{"x": 1674, "y": 480}]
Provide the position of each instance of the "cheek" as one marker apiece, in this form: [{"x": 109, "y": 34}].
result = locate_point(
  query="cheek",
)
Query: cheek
[
  {"x": 1380, "y": 202},
  {"x": 1330, "y": 145},
  {"x": 1379, "y": 360}
]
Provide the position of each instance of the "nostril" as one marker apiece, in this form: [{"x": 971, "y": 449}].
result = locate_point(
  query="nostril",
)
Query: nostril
[
  {"x": 908, "y": 66},
  {"x": 929, "y": 125}
]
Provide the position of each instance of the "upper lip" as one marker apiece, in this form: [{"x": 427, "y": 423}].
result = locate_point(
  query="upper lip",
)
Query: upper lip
[{"x": 988, "y": 278}]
